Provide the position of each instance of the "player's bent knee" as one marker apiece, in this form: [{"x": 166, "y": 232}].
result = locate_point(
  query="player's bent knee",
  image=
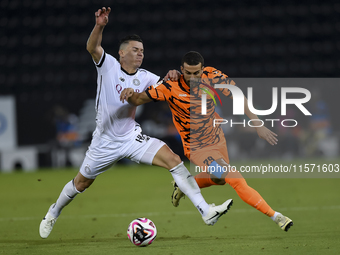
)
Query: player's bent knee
[
  {"x": 176, "y": 159},
  {"x": 172, "y": 160},
  {"x": 166, "y": 158},
  {"x": 81, "y": 187},
  {"x": 218, "y": 181},
  {"x": 81, "y": 183}
]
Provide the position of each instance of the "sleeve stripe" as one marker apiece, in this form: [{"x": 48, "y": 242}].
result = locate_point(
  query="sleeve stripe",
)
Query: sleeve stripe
[
  {"x": 102, "y": 61},
  {"x": 100, "y": 89}
]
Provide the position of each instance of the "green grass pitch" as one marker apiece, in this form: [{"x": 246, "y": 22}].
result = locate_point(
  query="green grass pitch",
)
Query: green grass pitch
[{"x": 97, "y": 220}]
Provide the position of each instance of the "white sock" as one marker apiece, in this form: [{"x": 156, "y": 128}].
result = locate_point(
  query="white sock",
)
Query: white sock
[
  {"x": 274, "y": 216},
  {"x": 189, "y": 187},
  {"x": 66, "y": 196}
]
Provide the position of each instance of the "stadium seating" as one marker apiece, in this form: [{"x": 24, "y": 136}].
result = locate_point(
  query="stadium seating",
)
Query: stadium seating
[{"x": 45, "y": 60}]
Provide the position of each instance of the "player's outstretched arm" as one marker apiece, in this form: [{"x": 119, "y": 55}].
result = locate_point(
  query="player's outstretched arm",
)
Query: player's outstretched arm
[
  {"x": 93, "y": 45},
  {"x": 133, "y": 97},
  {"x": 263, "y": 132}
]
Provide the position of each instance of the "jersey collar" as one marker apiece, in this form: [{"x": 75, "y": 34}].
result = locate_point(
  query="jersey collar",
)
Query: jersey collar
[{"x": 127, "y": 72}]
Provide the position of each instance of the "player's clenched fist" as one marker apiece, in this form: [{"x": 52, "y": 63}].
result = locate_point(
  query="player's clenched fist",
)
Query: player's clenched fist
[
  {"x": 126, "y": 93},
  {"x": 102, "y": 16}
]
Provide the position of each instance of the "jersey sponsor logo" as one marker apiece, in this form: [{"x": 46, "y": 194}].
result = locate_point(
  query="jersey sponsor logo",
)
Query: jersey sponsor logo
[
  {"x": 119, "y": 88},
  {"x": 122, "y": 79},
  {"x": 136, "y": 82},
  {"x": 182, "y": 95}
]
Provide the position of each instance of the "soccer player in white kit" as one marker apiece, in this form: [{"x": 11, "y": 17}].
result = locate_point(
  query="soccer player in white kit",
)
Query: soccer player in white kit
[{"x": 117, "y": 135}]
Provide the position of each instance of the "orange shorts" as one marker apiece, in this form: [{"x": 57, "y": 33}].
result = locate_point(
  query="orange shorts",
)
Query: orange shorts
[
  {"x": 208, "y": 154},
  {"x": 205, "y": 156}
]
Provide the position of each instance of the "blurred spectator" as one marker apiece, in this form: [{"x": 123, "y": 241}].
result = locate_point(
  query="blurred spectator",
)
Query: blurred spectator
[
  {"x": 318, "y": 139},
  {"x": 289, "y": 137},
  {"x": 67, "y": 138},
  {"x": 66, "y": 127}
]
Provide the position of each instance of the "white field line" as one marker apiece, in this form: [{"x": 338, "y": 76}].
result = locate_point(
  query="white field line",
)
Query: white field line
[{"x": 148, "y": 214}]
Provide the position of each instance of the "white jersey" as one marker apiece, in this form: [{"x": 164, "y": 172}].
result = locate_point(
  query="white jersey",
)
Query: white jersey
[{"x": 116, "y": 120}]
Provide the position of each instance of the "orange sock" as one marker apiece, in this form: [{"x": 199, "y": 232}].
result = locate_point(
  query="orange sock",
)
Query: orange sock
[
  {"x": 245, "y": 192},
  {"x": 250, "y": 196},
  {"x": 203, "y": 180}
]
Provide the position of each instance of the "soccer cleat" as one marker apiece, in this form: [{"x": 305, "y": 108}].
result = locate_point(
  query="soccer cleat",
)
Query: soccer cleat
[
  {"x": 177, "y": 194},
  {"x": 284, "y": 222},
  {"x": 215, "y": 212},
  {"x": 47, "y": 224}
]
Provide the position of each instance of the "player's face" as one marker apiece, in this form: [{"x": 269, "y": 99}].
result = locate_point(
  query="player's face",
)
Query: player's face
[
  {"x": 132, "y": 54},
  {"x": 192, "y": 73}
]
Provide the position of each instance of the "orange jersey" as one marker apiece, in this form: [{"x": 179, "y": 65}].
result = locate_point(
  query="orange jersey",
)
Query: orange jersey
[{"x": 196, "y": 130}]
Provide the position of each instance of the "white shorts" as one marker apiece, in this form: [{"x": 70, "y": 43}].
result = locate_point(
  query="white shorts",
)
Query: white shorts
[{"x": 103, "y": 154}]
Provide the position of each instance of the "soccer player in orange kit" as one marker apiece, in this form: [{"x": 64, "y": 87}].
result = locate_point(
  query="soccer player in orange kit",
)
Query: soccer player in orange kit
[{"x": 204, "y": 143}]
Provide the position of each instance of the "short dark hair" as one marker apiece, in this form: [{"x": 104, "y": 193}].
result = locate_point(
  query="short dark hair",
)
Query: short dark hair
[
  {"x": 129, "y": 38},
  {"x": 192, "y": 58}
]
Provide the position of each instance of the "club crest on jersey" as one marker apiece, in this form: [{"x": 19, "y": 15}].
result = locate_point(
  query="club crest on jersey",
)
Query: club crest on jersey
[
  {"x": 136, "y": 82},
  {"x": 122, "y": 79}
]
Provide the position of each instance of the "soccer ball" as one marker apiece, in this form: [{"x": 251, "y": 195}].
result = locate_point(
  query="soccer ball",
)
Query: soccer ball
[{"x": 142, "y": 232}]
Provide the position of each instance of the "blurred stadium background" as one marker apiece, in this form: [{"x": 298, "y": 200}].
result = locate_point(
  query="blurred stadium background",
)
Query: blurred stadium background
[{"x": 49, "y": 78}]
